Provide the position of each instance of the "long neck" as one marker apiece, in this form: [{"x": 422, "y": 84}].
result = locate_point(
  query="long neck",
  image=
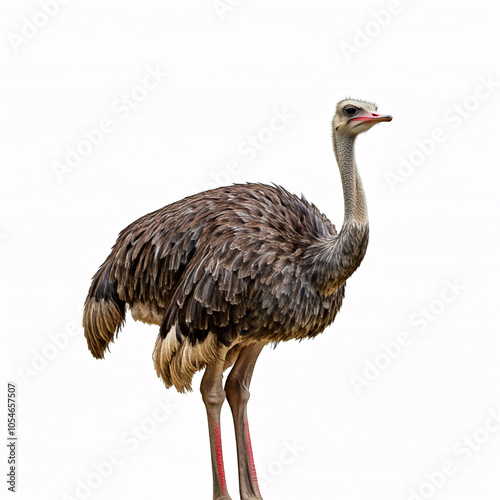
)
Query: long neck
[
  {"x": 355, "y": 209},
  {"x": 336, "y": 259}
]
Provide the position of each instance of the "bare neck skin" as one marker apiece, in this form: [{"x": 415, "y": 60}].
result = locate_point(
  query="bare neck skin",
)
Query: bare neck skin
[
  {"x": 355, "y": 209},
  {"x": 336, "y": 260}
]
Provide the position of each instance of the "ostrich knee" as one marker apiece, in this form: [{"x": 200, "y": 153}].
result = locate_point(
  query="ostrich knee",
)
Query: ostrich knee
[
  {"x": 213, "y": 395},
  {"x": 237, "y": 393}
]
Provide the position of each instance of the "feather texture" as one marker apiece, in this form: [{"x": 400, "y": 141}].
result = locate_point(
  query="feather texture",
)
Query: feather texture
[{"x": 235, "y": 265}]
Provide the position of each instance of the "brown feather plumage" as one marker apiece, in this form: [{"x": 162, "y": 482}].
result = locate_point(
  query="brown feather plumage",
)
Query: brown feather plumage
[
  {"x": 236, "y": 261},
  {"x": 243, "y": 263}
]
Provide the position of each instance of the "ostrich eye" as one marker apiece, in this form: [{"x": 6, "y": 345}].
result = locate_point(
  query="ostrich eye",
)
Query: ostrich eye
[{"x": 350, "y": 110}]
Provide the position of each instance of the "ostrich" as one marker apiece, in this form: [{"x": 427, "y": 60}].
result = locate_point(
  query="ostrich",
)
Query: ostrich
[{"x": 226, "y": 271}]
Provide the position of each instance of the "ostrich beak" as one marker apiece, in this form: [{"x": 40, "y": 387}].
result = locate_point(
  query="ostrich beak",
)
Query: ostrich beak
[{"x": 373, "y": 118}]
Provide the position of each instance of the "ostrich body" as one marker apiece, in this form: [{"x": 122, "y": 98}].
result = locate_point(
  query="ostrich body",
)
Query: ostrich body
[{"x": 226, "y": 271}]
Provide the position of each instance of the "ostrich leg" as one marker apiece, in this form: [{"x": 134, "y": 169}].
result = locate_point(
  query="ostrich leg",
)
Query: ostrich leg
[
  {"x": 237, "y": 393},
  {"x": 213, "y": 396}
]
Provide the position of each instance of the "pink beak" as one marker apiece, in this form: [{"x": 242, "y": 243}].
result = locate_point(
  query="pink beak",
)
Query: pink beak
[{"x": 373, "y": 118}]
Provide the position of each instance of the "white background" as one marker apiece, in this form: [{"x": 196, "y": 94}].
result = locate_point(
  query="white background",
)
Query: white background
[{"x": 226, "y": 74}]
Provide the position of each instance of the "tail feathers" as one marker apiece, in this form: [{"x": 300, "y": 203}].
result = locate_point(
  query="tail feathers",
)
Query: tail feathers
[{"x": 104, "y": 312}]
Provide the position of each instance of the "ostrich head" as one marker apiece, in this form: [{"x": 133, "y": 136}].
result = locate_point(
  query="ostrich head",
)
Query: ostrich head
[{"x": 353, "y": 117}]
